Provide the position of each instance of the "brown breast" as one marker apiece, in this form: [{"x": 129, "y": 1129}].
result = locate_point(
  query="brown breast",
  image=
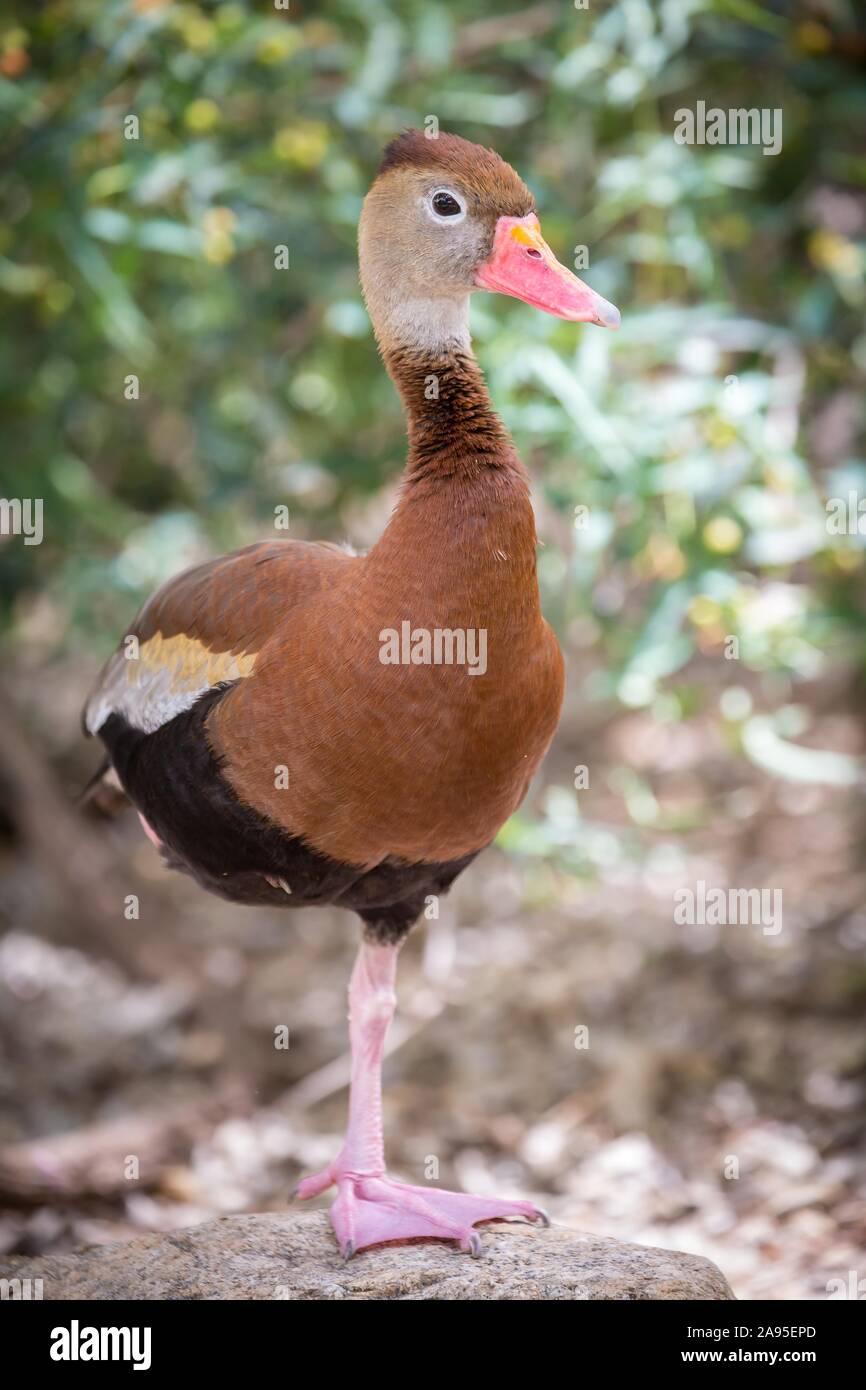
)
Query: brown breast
[{"x": 367, "y": 759}]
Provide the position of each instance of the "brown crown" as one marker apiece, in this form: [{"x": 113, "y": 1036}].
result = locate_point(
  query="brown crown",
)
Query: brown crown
[{"x": 480, "y": 171}]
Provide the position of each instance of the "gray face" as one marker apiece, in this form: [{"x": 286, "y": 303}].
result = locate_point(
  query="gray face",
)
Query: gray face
[
  {"x": 423, "y": 235},
  {"x": 457, "y": 232}
]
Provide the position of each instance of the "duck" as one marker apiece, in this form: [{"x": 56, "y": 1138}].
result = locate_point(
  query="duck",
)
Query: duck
[{"x": 299, "y": 725}]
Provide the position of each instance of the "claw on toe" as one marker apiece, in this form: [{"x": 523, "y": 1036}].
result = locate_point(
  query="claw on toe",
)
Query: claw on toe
[
  {"x": 472, "y": 1245},
  {"x": 277, "y": 882},
  {"x": 348, "y": 1250},
  {"x": 541, "y": 1217}
]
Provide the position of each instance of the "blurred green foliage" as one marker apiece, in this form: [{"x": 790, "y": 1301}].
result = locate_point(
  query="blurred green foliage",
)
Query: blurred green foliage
[{"x": 698, "y": 445}]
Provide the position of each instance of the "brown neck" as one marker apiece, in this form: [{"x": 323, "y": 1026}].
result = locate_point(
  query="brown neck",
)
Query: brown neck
[
  {"x": 453, "y": 428},
  {"x": 461, "y": 542}
]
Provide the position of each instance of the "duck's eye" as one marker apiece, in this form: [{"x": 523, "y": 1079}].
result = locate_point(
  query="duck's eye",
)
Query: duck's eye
[{"x": 445, "y": 204}]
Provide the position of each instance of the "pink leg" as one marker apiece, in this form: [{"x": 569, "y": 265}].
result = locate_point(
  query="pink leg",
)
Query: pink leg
[
  {"x": 150, "y": 832},
  {"x": 371, "y": 1207}
]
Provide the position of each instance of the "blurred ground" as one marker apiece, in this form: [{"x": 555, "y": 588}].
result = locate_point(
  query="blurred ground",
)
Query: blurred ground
[{"x": 705, "y": 1045}]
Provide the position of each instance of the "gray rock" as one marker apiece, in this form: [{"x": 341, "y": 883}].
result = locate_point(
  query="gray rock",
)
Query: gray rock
[{"x": 293, "y": 1256}]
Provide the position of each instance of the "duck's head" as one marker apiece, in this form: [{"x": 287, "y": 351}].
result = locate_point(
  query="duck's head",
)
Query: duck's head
[{"x": 445, "y": 217}]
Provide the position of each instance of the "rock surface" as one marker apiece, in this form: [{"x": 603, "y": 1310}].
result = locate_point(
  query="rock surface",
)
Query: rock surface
[{"x": 293, "y": 1256}]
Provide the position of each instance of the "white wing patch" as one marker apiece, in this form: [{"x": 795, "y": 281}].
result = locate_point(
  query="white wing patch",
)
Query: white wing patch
[{"x": 166, "y": 677}]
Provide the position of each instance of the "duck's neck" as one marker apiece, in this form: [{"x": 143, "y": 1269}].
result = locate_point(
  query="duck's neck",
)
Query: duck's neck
[
  {"x": 453, "y": 428},
  {"x": 462, "y": 536}
]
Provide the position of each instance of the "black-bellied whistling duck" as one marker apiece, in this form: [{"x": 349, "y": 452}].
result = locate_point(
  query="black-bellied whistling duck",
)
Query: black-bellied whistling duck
[{"x": 298, "y": 725}]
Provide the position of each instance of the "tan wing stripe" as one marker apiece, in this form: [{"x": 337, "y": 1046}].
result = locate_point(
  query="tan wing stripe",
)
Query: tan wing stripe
[{"x": 189, "y": 664}]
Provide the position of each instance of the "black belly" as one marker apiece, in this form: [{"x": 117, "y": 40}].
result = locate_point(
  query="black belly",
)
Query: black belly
[{"x": 173, "y": 777}]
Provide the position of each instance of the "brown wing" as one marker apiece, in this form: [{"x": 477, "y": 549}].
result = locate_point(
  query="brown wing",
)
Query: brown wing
[{"x": 207, "y": 626}]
